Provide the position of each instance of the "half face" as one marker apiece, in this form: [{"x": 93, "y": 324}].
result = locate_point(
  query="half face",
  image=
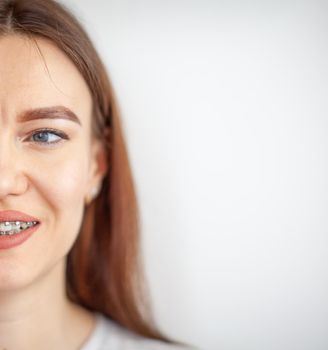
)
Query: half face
[{"x": 49, "y": 161}]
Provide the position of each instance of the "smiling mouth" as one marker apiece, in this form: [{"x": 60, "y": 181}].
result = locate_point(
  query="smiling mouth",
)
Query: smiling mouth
[{"x": 9, "y": 228}]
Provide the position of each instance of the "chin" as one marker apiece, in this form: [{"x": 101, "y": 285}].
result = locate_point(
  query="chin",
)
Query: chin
[
  {"x": 15, "y": 276},
  {"x": 10, "y": 281}
]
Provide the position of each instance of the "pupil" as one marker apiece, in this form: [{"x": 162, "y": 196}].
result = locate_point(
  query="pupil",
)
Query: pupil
[{"x": 41, "y": 136}]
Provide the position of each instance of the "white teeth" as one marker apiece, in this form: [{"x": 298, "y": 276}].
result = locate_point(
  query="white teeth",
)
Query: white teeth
[
  {"x": 13, "y": 227},
  {"x": 5, "y": 226}
]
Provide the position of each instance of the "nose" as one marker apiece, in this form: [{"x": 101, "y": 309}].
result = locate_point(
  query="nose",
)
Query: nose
[{"x": 12, "y": 179}]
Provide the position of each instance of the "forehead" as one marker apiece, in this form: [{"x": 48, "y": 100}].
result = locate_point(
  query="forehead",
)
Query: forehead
[{"x": 36, "y": 74}]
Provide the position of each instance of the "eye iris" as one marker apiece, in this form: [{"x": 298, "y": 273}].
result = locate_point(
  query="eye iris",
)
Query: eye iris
[{"x": 41, "y": 136}]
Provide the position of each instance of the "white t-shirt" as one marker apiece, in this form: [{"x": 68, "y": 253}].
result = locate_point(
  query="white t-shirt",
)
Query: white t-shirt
[{"x": 108, "y": 335}]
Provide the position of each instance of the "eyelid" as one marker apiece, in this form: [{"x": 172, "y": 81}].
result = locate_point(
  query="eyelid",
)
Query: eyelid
[{"x": 56, "y": 132}]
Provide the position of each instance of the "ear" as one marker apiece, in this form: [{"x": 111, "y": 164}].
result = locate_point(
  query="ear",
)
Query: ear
[{"x": 97, "y": 170}]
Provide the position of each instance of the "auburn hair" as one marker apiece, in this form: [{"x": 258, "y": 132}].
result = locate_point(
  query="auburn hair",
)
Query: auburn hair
[{"x": 104, "y": 270}]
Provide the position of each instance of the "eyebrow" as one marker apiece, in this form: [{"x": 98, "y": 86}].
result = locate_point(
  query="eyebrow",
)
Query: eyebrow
[{"x": 54, "y": 112}]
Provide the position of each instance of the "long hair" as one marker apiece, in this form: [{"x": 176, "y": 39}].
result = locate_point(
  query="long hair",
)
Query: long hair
[{"x": 104, "y": 270}]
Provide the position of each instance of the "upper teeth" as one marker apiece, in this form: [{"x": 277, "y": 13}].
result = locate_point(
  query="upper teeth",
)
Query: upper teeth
[{"x": 10, "y": 225}]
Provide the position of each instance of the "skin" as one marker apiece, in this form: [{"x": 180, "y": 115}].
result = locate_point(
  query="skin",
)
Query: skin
[{"x": 51, "y": 183}]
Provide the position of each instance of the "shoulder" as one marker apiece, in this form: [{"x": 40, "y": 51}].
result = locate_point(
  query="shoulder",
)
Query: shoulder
[{"x": 115, "y": 336}]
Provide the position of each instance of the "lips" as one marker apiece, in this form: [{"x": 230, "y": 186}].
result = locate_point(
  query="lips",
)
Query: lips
[
  {"x": 13, "y": 215},
  {"x": 11, "y": 241}
]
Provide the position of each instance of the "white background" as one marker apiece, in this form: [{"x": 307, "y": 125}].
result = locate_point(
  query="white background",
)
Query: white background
[{"x": 225, "y": 112}]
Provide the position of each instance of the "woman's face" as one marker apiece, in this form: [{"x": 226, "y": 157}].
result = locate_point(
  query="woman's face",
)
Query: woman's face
[{"x": 46, "y": 174}]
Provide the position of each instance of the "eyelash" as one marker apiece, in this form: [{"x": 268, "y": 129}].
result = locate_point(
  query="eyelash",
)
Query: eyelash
[{"x": 58, "y": 133}]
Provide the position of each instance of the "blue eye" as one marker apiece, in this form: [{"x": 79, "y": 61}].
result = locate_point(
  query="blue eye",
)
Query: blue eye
[{"x": 48, "y": 136}]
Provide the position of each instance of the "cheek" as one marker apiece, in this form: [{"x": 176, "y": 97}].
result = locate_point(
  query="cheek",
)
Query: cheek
[
  {"x": 61, "y": 180},
  {"x": 62, "y": 191},
  {"x": 66, "y": 183},
  {"x": 61, "y": 195}
]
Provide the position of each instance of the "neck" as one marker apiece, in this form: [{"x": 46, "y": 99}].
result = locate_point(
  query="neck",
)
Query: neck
[{"x": 40, "y": 316}]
